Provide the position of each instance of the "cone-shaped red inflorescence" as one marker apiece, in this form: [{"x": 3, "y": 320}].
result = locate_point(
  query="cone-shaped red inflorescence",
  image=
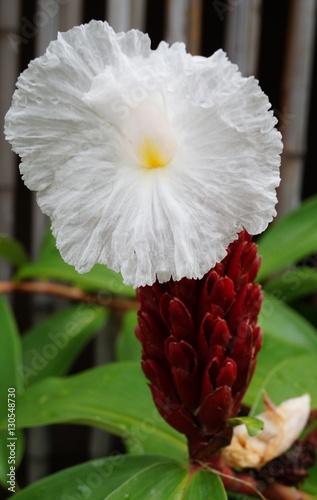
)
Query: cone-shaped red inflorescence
[{"x": 200, "y": 340}]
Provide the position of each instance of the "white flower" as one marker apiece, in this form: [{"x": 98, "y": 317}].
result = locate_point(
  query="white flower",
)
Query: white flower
[
  {"x": 282, "y": 426},
  {"x": 147, "y": 161}
]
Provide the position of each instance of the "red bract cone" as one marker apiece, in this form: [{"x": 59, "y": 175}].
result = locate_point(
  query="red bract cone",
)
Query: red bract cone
[{"x": 200, "y": 340}]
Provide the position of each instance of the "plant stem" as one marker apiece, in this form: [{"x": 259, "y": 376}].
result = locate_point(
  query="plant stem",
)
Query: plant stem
[{"x": 69, "y": 292}]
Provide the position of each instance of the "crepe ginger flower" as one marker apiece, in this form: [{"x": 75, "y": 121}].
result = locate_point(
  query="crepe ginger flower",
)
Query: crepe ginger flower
[
  {"x": 282, "y": 426},
  {"x": 200, "y": 341},
  {"x": 148, "y": 161}
]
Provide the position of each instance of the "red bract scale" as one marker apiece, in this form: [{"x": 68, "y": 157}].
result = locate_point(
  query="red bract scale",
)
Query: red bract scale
[{"x": 199, "y": 342}]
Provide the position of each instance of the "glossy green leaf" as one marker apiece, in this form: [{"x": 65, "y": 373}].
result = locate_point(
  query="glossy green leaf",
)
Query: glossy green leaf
[
  {"x": 293, "y": 284},
  {"x": 114, "y": 397},
  {"x": 95, "y": 479},
  {"x": 50, "y": 265},
  {"x": 12, "y": 251},
  {"x": 254, "y": 425},
  {"x": 286, "y": 324},
  {"x": 289, "y": 239},
  {"x": 50, "y": 347},
  {"x": 204, "y": 485},
  {"x": 289, "y": 379},
  {"x": 124, "y": 477},
  {"x": 11, "y": 442},
  {"x": 10, "y": 354},
  {"x": 307, "y": 309},
  {"x": 285, "y": 334},
  {"x": 162, "y": 480},
  {"x": 128, "y": 347},
  {"x": 171, "y": 481}
]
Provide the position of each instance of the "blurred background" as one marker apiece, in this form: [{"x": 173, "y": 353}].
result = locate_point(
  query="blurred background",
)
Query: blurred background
[{"x": 275, "y": 41}]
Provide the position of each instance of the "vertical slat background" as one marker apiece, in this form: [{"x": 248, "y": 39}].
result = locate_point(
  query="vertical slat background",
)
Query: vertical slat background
[
  {"x": 9, "y": 70},
  {"x": 243, "y": 35},
  {"x": 296, "y": 90},
  {"x": 119, "y": 14},
  {"x": 243, "y": 29},
  {"x": 194, "y": 26},
  {"x": 176, "y": 20},
  {"x": 70, "y": 14}
]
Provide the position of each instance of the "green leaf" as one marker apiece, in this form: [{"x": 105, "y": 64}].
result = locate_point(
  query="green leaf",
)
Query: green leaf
[
  {"x": 171, "y": 481},
  {"x": 286, "y": 325},
  {"x": 51, "y": 347},
  {"x": 285, "y": 334},
  {"x": 114, "y": 397},
  {"x": 289, "y": 379},
  {"x": 50, "y": 265},
  {"x": 289, "y": 239},
  {"x": 306, "y": 309},
  {"x": 204, "y": 485},
  {"x": 10, "y": 354},
  {"x": 128, "y": 347},
  {"x": 254, "y": 425},
  {"x": 12, "y": 251},
  {"x": 162, "y": 480},
  {"x": 293, "y": 284},
  {"x": 125, "y": 477},
  {"x": 95, "y": 479},
  {"x": 10, "y": 388}
]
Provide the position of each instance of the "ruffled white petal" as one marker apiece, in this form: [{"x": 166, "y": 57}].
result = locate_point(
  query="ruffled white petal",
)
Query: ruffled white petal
[{"x": 98, "y": 108}]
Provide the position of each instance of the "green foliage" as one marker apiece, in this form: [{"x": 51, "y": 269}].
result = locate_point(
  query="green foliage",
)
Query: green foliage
[
  {"x": 286, "y": 335},
  {"x": 289, "y": 240},
  {"x": 128, "y": 348},
  {"x": 51, "y": 347},
  {"x": 115, "y": 397},
  {"x": 125, "y": 477},
  {"x": 10, "y": 354},
  {"x": 293, "y": 283},
  {"x": 10, "y": 388},
  {"x": 292, "y": 377},
  {"x": 12, "y": 251}
]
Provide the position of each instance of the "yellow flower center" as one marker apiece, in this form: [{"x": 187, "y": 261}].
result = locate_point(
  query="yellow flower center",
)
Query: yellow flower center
[{"x": 152, "y": 154}]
